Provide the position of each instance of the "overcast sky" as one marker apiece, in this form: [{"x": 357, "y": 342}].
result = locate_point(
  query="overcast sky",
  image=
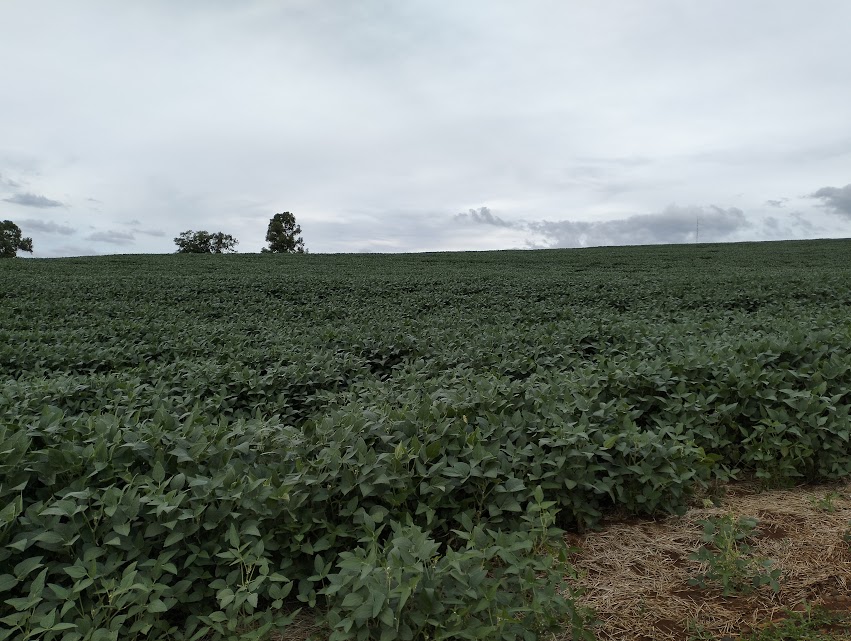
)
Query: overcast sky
[{"x": 420, "y": 125}]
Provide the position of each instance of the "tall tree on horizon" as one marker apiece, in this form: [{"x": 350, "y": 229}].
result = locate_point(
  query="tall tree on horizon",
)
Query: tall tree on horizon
[
  {"x": 283, "y": 235},
  {"x": 11, "y": 240}
]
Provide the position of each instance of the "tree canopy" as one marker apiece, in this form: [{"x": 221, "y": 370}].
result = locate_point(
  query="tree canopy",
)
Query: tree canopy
[
  {"x": 283, "y": 235},
  {"x": 203, "y": 242},
  {"x": 11, "y": 240}
]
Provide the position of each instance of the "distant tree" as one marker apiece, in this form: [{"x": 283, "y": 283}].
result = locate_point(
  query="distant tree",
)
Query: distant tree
[
  {"x": 222, "y": 243},
  {"x": 203, "y": 242},
  {"x": 11, "y": 241},
  {"x": 283, "y": 235}
]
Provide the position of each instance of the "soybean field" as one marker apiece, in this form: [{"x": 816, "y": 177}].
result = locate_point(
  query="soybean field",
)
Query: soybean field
[{"x": 212, "y": 446}]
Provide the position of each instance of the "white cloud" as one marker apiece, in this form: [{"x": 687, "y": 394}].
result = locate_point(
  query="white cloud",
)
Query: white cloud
[
  {"x": 404, "y": 114},
  {"x": 483, "y": 216}
]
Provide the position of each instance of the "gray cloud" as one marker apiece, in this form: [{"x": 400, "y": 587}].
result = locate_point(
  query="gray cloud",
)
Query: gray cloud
[
  {"x": 46, "y": 227},
  {"x": 8, "y": 182},
  {"x": 113, "y": 237},
  {"x": 33, "y": 200},
  {"x": 794, "y": 225},
  {"x": 137, "y": 229},
  {"x": 674, "y": 225},
  {"x": 136, "y": 225},
  {"x": 483, "y": 216},
  {"x": 157, "y": 233},
  {"x": 780, "y": 202},
  {"x": 835, "y": 199}
]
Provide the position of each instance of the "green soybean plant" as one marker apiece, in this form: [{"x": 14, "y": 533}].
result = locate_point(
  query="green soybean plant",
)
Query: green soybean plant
[{"x": 726, "y": 555}]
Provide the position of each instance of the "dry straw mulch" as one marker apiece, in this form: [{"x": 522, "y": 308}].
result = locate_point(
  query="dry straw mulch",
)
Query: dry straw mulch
[{"x": 635, "y": 574}]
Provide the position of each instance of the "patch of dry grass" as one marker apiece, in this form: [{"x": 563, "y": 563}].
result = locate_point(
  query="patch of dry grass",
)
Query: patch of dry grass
[{"x": 635, "y": 574}]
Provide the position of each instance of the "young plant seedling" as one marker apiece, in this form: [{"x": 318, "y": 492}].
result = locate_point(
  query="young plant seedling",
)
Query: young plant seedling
[
  {"x": 827, "y": 503},
  {"x": 726, "y": 555}
]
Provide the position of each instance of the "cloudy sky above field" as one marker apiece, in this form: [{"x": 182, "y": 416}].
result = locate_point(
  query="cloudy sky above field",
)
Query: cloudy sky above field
[{"x": 424, "y": 125}]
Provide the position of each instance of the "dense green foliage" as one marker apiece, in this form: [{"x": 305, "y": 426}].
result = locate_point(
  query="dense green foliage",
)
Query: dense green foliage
[
  {"x": 192, "y": 444},
  {"x": 12, "y": 241},
  {"x": 283, "y": 235},
  {"x": 203, "y": 242}
]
